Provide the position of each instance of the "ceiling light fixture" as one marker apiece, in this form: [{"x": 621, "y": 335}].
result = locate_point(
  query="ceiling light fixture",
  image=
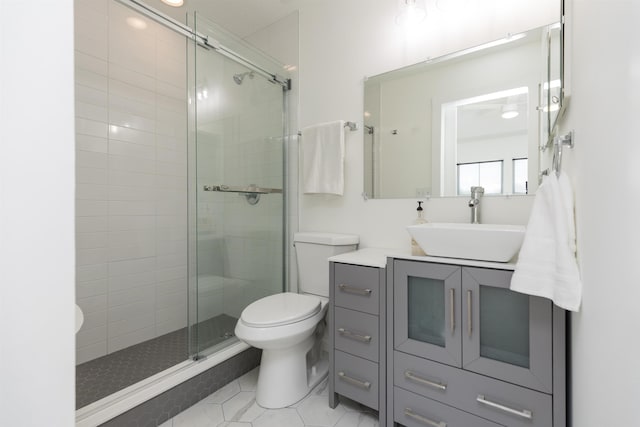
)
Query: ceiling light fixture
[
  {"x": 510, "y": 111},
  {"x": 174, "y": 3},
  {"x": 411, "y": 12}
]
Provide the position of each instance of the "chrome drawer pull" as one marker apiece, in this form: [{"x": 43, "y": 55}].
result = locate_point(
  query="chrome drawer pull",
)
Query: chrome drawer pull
[
  {"x": 349, "y": 334},
  {"x": 354, "y": 290},
  {"x": 426, "y": 421},
  {"x": 362, "y": 384},
  {"x": 410, "y": 375},
  {"x": 524, "y": 413}
]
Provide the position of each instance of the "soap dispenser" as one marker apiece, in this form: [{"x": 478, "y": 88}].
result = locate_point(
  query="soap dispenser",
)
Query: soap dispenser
[{"x": 415, "y": 248}]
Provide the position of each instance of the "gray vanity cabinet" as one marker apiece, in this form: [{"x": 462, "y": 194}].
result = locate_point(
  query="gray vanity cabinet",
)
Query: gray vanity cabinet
[
  {"x": 357, "y": 330},
  {"x": 459, "y": 337}
]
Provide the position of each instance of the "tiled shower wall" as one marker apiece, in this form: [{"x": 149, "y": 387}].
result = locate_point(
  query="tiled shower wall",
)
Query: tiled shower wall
[{"x": 131, "y": 214}]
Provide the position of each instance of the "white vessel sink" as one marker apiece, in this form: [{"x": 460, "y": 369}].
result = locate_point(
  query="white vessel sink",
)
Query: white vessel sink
[{"x": 484, "y": 242}]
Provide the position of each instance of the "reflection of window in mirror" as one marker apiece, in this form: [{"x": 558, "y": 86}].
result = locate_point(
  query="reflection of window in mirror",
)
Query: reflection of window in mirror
[
  {"x": 482, "y": 136},
  {"x": 520, "y": 173},
  {"x": 484, "y": 174}
]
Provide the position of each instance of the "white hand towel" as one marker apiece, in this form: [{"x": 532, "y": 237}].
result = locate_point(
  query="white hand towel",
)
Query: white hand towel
[
  {"x": 547, "y": 265},
  {"x": 323, "y": 158}
]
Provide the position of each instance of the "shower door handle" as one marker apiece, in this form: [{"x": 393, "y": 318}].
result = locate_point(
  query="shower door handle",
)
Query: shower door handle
[{"x": 251, "y": 189}]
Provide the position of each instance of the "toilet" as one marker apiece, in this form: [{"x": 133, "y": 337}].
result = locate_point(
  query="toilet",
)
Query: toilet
[{"x": 289, "y": 327}]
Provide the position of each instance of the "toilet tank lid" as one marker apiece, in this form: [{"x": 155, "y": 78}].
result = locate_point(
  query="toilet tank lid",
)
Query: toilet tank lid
[{"x": 332, "y": 239}]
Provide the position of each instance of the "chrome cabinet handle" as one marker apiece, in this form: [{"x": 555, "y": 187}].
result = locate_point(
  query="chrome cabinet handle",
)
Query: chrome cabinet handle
[
  {"x": 362, "y": 384},
  {"x": 523, "y": 413},
  {"x": 348, "y": 334},
  {"x": 469, "y": 320},
  {"x": 424, "y": 420},
  {"x": 410, "y": 375},
  {"x": 452, "y": 310},
  {"x": 354, "y": 290}
]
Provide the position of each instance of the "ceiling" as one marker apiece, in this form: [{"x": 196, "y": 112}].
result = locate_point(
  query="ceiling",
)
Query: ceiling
[{"x": 241, "y": 17}]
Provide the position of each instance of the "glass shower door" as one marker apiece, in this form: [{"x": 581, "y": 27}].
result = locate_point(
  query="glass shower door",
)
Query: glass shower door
[{"x": 239, "y": 201}]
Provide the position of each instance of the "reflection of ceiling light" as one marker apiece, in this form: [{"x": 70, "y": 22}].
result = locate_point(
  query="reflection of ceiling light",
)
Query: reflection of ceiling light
[
  {"x": 510, "y": 111},
  {"x": 411, "y": 12},
  {"x": 136, "y": 23},
  {"x": 174, "y": 3}
]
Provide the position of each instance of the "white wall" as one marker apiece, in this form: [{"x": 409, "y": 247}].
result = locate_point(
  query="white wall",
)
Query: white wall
[
  {"x": 340, "y": 44},
  {"x": 603, "y": 166},
  {"x": 131, "y": 163},
  {"x": 36, "y": 213}
]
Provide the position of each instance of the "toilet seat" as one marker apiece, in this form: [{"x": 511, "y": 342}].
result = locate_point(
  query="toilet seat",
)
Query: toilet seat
[{"x": 280, "y": 309}]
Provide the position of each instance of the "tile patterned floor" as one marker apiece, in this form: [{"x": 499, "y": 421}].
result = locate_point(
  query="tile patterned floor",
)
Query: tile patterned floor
[
  {"x": 105, "y": 375},
  {"x": 234, "y": 405}
]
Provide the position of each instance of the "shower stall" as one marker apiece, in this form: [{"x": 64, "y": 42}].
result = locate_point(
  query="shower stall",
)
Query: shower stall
[{"x": 180, "y": 142}]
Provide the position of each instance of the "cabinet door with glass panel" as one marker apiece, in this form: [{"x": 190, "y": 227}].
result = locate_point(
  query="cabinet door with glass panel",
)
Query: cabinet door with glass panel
[
  {"x": 427, "y": 311},
  {"x": 506, "y": 335}
]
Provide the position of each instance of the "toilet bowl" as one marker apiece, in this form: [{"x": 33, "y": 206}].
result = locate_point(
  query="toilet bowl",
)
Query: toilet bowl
[{"x": 289, "y": 327}]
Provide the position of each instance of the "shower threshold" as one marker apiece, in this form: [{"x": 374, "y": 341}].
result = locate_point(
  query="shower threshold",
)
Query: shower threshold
[{"x": 106, "y": 375}]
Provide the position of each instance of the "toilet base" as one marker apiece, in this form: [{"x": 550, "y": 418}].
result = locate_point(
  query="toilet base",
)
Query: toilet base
[{"x": 284, "y": 377}]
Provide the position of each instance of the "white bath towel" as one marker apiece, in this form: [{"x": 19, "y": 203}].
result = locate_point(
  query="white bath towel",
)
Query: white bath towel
[
  {"x": 323, "y": 158},
  {"x": 547, "y": 265}
]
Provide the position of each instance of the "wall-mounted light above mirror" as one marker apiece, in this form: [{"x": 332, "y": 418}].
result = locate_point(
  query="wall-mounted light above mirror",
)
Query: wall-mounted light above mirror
[{"x": 475, "y": 117}]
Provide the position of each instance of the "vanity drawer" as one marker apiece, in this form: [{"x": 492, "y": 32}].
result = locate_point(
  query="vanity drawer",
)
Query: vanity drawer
[
  {"x": 412, "y": 410},
  {"x": 357, "y": 287},
  {"x": 356, "y": 378},
  {"x": 357, "y": 333},
  {"x": 486, "y": 397}
]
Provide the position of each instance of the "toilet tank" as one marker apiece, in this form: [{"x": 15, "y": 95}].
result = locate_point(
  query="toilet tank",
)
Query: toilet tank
[{"x": 312, "y": 251}]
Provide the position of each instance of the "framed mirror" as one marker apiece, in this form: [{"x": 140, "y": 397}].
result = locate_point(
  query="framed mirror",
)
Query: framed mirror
[{"x": 474, "y": 117}]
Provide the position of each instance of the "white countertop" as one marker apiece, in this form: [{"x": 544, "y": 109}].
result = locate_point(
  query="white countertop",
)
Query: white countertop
[{"x": 377, "y": 257}]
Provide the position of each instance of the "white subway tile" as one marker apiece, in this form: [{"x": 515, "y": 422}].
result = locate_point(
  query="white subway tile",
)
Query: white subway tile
[
  {"x": 132, "y": 252},
  {"x": 172, "y": 260},
  {"x": 172, "y": 317},
  {"x": 118, "y": 207},
  {"x": 135, "y": 222},
  {"x": 119, "y": 133},
  {"x": 132, "y": 164},
  {"x": 131, "y": 121},
  {"x": 129, "y": 281},
  {"x": 131, "y": 105},
  {"x": 86, "y": 337},
  {"x": 131, "y": 238},
  {"x": 172, "y": 300},
  {"x": 91, "y": 127},
  {"x": 91, "y": 79},
  {"x": 170, "y": 286},
  {"x": 91, "y": 223},
  {"x": 91, "y": 112},
  {"x": 130, "y": 149},
  {"x": 121, "y": 316},
  {"x": 95, "y": 319},
  {"x": 125, "y": 75},
  {"x": 88, "y": 95},
  {"x": 125, "y": 90},
  {"x": 94, "y": 304},
  {"x": 91, "y": 191},
  {"x": 85, "y": 354},
  {"x": 123, "y": 341},
  {"x": 91, "y": 176},
  {"x": 130, "y": 193},
  {"x": 92, "y": 288},
  {"x": 91, "y": 63},
  {"x": 91, "y": 208},
  {"x": 93, "y": 144},
  {"x": 128, "y": 296},
  {"x": 173, "y": 169},
  {"x": 91, "y": 256},
  {"x": 91, "y": 240},
  {"x": 131, "y": 267}
]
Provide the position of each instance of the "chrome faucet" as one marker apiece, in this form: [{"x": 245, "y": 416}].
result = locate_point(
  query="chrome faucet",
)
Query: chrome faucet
[{"x": 474, "y": 204}]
